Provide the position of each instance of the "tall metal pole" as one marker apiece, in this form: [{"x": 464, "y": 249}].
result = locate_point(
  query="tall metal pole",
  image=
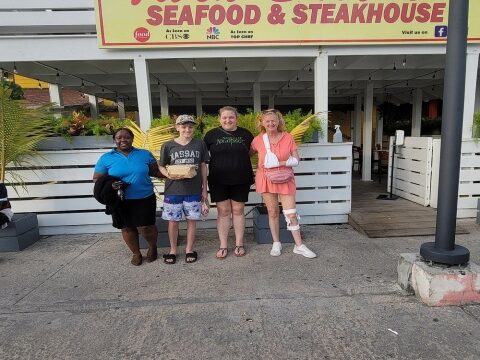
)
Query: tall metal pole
[{"x": 444, "y": 250}]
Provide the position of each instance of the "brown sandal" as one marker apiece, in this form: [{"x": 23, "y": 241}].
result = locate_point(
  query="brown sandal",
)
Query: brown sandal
[
  {"x": 223, "y": 253},
  {"x": 239, "y": 251}
]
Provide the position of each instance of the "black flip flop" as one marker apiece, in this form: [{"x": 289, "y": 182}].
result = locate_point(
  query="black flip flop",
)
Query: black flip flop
[
  {"x": 169, "y": 259},
  {"x": 191, "y": 257}
]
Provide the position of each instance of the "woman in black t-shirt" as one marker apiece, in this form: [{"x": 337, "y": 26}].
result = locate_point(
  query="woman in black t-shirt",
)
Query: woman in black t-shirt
[{"x": 230, "y": 177}]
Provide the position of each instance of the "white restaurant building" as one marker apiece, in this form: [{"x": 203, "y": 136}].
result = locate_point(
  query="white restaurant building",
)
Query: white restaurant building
[{"x": 80, "y": 44}]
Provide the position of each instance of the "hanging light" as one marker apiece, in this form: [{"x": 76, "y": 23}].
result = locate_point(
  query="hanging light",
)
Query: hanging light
[
  {"x": 226, "y": 67},
  {"x": 310, "y": 68},
  {"x": 83, "y": 84},
  {"x": 369, "y": 77},
  {"x": 131, "y": 68},
  {"x": 404, "y": 61},
  {"x": 394, "y": 66},
  {"x": 194, "y": 66},
  {"x": 297, "y": 77},
  {"x": 39, "y": 84},
  {"x": 434, "y": 74},
  {"x": 15, "y": 70},
  {"x": 57, "y": 77},
  {"x": 335, "y": 62}
]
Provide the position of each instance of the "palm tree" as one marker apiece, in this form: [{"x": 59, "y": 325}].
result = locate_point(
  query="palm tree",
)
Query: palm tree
[{"x": 21, "y": 129}]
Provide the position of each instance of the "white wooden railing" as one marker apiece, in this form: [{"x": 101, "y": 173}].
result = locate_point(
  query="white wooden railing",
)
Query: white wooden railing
[
  {"x": 59, "y": 189},
  {"x": 416, "y": 173},
  {"x": 34, "y": 17},
  {"x": 413, "y": 169},
  {"x": 469, "y": 186}
]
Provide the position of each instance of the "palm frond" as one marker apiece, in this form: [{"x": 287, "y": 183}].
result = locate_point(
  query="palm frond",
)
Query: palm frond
[
  {"x": 21, "y": 129},
  {"x": 299, "y": 131},
  {"x": 153, "y": 139}
]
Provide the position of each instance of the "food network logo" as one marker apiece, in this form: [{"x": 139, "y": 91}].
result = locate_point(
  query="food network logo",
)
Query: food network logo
[
  {"x": 441, "y": 31},
  {"x": 213, "y": 33}
]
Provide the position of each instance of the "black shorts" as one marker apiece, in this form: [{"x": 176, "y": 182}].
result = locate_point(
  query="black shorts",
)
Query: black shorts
[
  {"x": 136, "y": 212},
  {"x": 221, "y": 192}
]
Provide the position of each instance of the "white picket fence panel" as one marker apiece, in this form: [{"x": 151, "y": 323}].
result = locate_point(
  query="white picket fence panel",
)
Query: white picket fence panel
[
  {"x": 33, "y": 17},
  {"x": 412, "y": 169},
  {"x": 59, "y": 189},
  {"x": 469, "y": 181}
]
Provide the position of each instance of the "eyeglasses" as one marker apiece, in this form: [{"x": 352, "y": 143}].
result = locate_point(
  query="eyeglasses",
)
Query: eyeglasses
[{"x": 268, "y": 111}]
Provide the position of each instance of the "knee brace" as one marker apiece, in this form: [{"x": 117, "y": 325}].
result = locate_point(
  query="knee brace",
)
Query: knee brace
[{"x": 288, "y": 221}]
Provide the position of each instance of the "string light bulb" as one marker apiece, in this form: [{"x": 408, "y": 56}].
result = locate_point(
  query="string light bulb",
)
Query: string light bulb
[
  {"x": 194, "y": 66},
  {"x": 131, "y": 68},
  {"x": 404, "y": 61},
  {"x": 335, "y": 62},
  {"x": 15, "y": 70}
]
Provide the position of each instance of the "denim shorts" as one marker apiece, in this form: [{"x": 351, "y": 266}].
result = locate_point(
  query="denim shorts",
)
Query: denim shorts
[{"x": 175, "y": 206}]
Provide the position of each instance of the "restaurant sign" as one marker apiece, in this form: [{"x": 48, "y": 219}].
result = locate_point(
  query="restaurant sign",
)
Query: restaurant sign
[{"x": 207, "y": 23}]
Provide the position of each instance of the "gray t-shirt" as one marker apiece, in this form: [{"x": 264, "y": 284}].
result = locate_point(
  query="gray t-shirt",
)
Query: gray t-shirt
[{"x": 173, "y": 153}]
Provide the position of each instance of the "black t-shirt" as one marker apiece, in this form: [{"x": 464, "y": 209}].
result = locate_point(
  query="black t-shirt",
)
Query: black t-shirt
[{"x": 229, "y": 156}]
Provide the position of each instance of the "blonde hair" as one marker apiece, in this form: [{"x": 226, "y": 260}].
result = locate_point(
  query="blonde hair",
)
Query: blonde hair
[
  {"x": 228, "y": 108},
  {"x": 278, "y": 114}
]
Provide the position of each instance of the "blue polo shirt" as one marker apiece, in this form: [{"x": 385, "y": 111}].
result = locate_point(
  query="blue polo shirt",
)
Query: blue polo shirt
[{"x": 132, "y": 169}]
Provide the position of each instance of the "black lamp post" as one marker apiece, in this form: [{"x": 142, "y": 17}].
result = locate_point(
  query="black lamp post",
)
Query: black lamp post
[{"x": 444, "y": 250}]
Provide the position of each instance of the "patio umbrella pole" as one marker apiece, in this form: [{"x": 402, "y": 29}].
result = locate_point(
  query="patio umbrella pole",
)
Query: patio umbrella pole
[
  {"x": 390, "y": 195},
  {"x": 444, "y": 250}
]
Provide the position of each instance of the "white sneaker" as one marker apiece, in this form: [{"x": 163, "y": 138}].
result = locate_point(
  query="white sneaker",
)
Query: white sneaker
[
  {"x": 276, "y": 249},
  {"x": 303, "y": 250}
]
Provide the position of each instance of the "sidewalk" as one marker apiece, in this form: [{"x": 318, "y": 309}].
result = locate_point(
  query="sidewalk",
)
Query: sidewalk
[{"x": 78, "y": 297}]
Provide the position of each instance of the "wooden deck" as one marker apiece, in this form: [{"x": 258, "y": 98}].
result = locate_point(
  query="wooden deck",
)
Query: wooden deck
[{"x": 388, "y": 218}]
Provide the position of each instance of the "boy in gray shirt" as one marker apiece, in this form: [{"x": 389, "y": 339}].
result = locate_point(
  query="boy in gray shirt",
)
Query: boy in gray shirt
[{"x": 184, "y": 196}]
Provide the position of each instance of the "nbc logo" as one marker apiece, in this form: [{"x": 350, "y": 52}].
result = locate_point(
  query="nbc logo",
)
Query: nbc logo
[{"x": 213, "y": 33}]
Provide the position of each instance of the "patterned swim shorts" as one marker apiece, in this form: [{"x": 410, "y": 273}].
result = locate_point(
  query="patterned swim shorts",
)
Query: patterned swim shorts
[{"x": 175, "y": 206}]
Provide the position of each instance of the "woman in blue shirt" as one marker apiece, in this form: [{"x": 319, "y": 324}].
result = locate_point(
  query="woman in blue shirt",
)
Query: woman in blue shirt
[{"x": 136, "y": 213}]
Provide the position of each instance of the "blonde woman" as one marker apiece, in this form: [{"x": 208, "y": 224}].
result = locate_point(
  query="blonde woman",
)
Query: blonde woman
[{"x": 281, "y": 158}]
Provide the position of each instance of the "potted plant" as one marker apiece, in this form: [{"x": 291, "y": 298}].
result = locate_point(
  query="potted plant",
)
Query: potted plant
[{"x": 21, "y": 129}]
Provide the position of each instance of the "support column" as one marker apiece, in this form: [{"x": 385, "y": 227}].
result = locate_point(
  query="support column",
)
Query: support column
[
  {"x": 257, "y": 100},
  {"x": 198, "y": 104},
  {"x": 163, "y": 100},
  {"x": 379, "y": 132},
  {"x": 320, "y": 77},
  {"x": 144, "y": 99},
  {"x": 358, "y": 121},
  {"x": 56, "y": 98},
  {"x": 93, "y": 102},
  {"x": 470, "y": 91},
  {"x": 367, "y": 133},
  {"x": 121, "y": 108},
  {"x": 477, "y": 97},
  {"x": 417, "y": 112},
  {"x": 271, "y": 101}
]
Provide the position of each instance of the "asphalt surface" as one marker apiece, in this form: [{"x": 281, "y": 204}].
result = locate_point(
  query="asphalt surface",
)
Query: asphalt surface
[{"x": 78, "y": 297}]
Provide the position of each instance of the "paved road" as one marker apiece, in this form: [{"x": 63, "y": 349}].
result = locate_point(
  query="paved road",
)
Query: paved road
[{"x": 77, "y": 297}]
